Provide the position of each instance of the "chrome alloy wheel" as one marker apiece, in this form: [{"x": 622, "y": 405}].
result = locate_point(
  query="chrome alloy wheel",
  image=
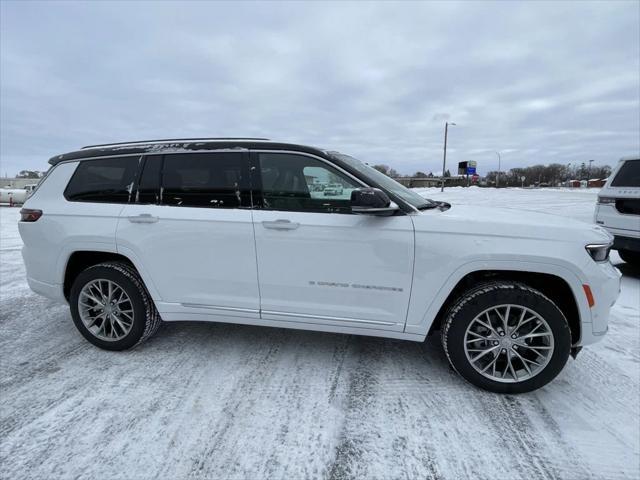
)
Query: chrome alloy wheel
[
  {"x": 508, "y": 343},
  {"x": 105, "y": 310}
]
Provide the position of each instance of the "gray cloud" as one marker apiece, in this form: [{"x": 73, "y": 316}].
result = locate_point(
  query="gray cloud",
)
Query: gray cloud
[{"x": 540, "y": 82}]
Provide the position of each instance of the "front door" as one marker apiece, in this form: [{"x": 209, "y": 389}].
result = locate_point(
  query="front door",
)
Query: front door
[
  {"x": 191, "y": 230},
  {"x": 318, "y": 262}
]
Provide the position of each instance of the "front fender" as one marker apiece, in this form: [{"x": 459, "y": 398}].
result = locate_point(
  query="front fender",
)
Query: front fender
[{"x": 424, "y": 309}]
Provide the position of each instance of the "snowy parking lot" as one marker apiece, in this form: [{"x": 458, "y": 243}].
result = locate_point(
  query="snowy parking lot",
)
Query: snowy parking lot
[{"x": 238, "y": 402}]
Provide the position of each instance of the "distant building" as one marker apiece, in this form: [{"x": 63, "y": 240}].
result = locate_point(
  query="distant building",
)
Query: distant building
[{"x": 597, "y": 182}]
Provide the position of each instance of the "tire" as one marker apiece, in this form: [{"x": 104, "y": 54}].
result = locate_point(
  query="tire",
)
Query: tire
[
  {"x": 142, "y": 319},
  {"x": 551, "y": 337},
  {"x": 632, "y": 258}
]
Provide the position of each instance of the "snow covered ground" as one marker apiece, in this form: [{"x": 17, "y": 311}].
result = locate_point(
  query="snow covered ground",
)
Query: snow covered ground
[{"x": 228, "y": 401}]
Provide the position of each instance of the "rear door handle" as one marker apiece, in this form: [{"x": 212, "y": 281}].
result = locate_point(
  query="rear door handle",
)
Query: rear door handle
[
  {"x": 143, "y": 218},
  {"x": 281, "y": 225}
]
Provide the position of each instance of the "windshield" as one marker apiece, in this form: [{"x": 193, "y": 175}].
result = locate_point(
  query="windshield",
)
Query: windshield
[{"x": 384, "y": 181}]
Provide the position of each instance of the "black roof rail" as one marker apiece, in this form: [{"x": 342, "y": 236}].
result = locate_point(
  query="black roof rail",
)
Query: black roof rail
[{"x": 197, "y": 139}]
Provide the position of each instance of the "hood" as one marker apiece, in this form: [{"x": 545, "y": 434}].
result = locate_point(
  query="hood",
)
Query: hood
[{"x": 513, "y": 223}]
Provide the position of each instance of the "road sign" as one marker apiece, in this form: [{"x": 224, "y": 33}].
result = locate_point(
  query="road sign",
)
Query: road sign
[{"x": 471, "y": 170}]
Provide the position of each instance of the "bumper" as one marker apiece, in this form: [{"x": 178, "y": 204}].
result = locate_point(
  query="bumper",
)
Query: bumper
[
  {"x": 626, "y": 243},
  {"x": 604, "y": 282},
  {"x": 52, "y": 291}
]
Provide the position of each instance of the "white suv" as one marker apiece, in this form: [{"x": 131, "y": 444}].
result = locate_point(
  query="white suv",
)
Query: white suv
[
  {"x": 618, "y": 208},
  {"x": 227, "y": 230}
]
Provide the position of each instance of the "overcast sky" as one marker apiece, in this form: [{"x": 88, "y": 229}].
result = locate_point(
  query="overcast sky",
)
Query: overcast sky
[{"x": 540, "y": 82}]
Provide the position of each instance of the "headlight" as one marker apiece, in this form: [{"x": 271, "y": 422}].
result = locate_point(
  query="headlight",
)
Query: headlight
[
  {"x": 606, "y": 200},
  {"x": 599, "y": 252}
]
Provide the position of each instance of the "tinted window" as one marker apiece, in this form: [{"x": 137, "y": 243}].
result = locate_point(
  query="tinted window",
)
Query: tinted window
[
  {"x": 109, "y": 180},
  {"x": 149, "y": 184},
  {"x": 628, "y": 175},
  {"x": 215, "y": 180},
  {"x": 301, "y": 183}
]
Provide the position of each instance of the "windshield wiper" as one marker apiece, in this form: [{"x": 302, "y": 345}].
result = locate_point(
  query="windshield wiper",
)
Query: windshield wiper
[
  {"x": 427, "y": 206},
  {"x": 442, "y": 206}
]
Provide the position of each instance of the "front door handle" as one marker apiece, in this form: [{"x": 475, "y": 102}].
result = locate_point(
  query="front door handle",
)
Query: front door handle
[
  {"x": 143, "y": 218},
  {"x": 281, "y": 225}
]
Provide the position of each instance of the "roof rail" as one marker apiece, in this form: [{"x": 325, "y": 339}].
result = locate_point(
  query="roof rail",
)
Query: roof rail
[{"x": 175, "y": 140}]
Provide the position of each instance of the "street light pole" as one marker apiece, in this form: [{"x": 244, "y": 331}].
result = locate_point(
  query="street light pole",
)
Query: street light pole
[
  {"x": 444, "y": 159},
  {"x": 498, "y": 177}
]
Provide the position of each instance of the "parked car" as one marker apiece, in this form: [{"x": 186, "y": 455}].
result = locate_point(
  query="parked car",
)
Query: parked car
[
  {"x": 618, "y": 208},
  {"x": 226, "y": 230},
  {"x": 13, "y": 196},
  {"x": 333, "y": 189}
]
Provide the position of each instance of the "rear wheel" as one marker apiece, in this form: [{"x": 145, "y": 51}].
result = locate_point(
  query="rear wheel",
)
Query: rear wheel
[
  {"x": 506, "y": 337},
  {"x": 632, "y": 258},
  {"x": 111, "y": 307}
]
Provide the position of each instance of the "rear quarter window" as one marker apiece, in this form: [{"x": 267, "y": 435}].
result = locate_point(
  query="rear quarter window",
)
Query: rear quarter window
[
  {"x": 108, "y": 180},
  {"x": 628, "y": 175}
]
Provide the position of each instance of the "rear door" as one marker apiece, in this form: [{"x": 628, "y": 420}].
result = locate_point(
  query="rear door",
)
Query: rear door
[
  {"x": 191, "y": 230},
  {"x": 318, "y": 262}
]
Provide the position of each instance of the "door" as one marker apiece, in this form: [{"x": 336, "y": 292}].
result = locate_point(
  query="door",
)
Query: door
[
  {"x": 318, "y": 262},
  {"x": 191, "y": 230}
]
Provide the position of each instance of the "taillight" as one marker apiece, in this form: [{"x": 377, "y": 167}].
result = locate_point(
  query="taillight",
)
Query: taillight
[
  {"x": 606, "y": 200},
  {"x": 30, "y": 215}
]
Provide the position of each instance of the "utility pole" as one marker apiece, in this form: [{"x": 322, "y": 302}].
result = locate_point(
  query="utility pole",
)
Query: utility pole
[
  {"x": 590, "y": 162},
  {"x": 498, "y": 177},
  {"x": 444, "y": 159}
]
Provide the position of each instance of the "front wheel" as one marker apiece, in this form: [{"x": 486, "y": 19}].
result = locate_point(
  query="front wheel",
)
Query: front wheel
[{"x": 506, "y": 337}]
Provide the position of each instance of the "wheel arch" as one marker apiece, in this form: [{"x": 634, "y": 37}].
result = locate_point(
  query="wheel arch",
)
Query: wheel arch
[
  {"x": 555, "y": 287},
  {"x": 80, "y": 260}
]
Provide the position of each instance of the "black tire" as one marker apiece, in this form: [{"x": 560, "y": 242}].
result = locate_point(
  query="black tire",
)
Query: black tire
[
  {"x": 146, "y": 319},
  {"x": 632, "y": 258},
  {"x": 477, "y": 300}
]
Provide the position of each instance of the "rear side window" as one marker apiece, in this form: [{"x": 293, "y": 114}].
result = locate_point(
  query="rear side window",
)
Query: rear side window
[
  {"x": 108, "y": 180},
  {"x": 628, "y": 175},
  {"x": 213, "y": 180}
]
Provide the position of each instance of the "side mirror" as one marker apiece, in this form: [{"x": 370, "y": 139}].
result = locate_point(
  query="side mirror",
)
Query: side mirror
[{"x": 371, "y": 201}]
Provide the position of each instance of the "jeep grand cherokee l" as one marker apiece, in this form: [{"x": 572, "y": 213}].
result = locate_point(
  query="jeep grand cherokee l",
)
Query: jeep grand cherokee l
[{"x": 227, "y": 230}]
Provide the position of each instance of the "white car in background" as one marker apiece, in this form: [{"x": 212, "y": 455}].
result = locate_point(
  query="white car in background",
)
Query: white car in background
[{"x": 618, "y": 208}]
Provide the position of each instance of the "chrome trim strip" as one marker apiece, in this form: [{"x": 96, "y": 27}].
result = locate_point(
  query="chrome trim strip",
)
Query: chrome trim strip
[
  {"x": 325, "y": 317},
  {"x": 215, "y": 307},
  {"x": 177, "y": 140}
]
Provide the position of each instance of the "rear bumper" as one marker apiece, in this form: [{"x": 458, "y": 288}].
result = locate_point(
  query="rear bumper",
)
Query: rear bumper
[
  {"x": 52, "y": 291},
  {"x": 626, "y": 243}
]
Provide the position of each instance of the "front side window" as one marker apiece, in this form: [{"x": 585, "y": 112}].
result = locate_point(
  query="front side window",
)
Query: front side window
[
  {"x": 213, "y": 180},
  {"x": 108, "y": 180},
  {"x": 300, "y": 183}
]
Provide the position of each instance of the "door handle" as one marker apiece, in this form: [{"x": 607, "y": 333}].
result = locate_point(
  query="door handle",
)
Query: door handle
[
  {"x": 143, "y": 218},
  {"x": 281, "y": 225}
]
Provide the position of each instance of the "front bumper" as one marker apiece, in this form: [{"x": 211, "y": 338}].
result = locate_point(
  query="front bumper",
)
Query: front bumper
[{"x": 604, "y": 282}]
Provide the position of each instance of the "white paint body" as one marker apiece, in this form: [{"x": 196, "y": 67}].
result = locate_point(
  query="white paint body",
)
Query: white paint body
[{"x": 357, "y": 274}]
